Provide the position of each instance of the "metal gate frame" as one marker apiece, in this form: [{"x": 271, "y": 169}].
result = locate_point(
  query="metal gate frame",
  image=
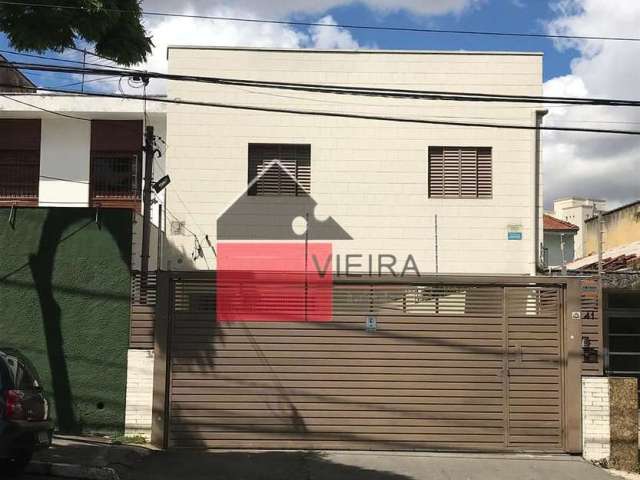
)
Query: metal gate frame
[{"x": 570, "y": 341}]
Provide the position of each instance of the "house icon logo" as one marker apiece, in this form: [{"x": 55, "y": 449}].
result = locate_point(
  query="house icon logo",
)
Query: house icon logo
[
  {"x": 272, "y": 215},
  {"x": 274, "y": 255}
]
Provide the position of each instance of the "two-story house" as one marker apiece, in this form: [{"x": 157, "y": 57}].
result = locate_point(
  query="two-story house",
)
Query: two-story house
[
  {"x": 457, "y": 199},
  {"x": 70, "y": 201},
  {"x": 431, "y": 330}
]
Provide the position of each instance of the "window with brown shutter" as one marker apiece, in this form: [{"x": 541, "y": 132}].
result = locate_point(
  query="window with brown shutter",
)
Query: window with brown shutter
[
  {"x": 19, "y": 161},
  {"x": 460, "y": 172},
  {"x": 116, "y": 163},
  {"x": 279, "y": 169}
]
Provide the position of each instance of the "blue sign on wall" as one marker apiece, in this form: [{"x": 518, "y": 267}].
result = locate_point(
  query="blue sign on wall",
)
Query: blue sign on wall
[{"x": 514, "y": 236}]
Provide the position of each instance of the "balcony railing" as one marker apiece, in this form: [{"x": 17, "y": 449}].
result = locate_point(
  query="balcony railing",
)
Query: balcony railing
[
  {"x": 19, "y": 177},
  {"x": 116, "y": 179}
]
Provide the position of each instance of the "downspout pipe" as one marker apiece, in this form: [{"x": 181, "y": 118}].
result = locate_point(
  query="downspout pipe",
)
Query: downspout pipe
[{"x": 537, "y": 216}]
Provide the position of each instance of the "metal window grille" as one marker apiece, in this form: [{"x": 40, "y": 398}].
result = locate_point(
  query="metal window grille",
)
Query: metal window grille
[
  {"x": 115, "y": 175},
  {"x": 279, "y": 169},
  {"x": 460, "y": 172},
  {"x": 19, "y": 174}
]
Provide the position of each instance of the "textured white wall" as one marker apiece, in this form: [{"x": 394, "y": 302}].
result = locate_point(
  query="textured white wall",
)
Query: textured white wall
[
  {"x": 139, "y": 406},
  {"x": 64, "y": 162},
  {"x": 370, "y": 176},
  {"x": 596, "y": 434}
]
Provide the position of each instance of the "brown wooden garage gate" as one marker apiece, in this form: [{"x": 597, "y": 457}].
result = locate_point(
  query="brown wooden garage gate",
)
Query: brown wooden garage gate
[{"x": 456, "y": 367}]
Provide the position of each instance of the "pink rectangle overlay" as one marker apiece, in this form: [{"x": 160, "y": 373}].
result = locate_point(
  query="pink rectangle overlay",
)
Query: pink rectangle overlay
[{"x": 274, "y": 282}]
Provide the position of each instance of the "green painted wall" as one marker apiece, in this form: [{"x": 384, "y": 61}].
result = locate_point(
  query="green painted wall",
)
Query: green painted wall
[{"x": 64, "y": 302}]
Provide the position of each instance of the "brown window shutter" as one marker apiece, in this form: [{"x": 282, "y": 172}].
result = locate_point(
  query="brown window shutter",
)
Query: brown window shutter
[
  {"x": 280, "y": 169},
  {"x": 460, "y": 172},
  {"x": 19, "y": 160},
  {"x": 436, "y": 172},
  {"x": 485, "y": 174}
]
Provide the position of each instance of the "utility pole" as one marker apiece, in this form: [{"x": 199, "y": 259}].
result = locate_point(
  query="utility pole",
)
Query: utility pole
[{"x": 149, "y": 152}]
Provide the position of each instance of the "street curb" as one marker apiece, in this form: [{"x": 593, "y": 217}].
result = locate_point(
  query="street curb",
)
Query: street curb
[{"x": 66, "y": 470}]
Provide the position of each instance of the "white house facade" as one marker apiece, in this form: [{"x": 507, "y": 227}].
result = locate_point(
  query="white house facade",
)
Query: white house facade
[{"x": 455, "y": 199}]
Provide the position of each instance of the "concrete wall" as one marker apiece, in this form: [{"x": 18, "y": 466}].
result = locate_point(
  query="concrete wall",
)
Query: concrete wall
[
  {"x": 610, "y": 421},
  {"x": 64, "y": 163},
  {"x": 64, "y": 298},
  {"x": 370, "y": 176},
  {"x": 138, "y": 414},
  {"x": 552, "y": 242},
  {"x": 578, "y": 210},
  {"x": 595, "y": 418},
  {"x": 620, "y": 228}
]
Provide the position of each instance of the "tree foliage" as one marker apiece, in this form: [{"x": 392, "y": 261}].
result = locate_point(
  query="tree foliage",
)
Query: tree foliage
[{"x": 114, "y": 27}]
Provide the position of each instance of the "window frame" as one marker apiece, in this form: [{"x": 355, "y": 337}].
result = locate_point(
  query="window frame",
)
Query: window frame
[
  {"x": 301, "y": 157},
  {"x": 21, "y": 137},
  {"x": 483, "y": 181},
  {"x": 103, "y": 146}
]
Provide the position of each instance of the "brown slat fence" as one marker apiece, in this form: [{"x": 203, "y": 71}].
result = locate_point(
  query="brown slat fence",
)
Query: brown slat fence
[{"x": 457, "y": 367}]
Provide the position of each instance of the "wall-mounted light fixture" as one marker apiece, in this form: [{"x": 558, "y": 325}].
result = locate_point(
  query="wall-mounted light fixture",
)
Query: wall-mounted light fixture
[{"x": 161, "y": 184}]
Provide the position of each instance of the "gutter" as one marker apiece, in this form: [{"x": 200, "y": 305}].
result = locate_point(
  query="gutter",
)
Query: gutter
[{"x": 537, "y": 217}]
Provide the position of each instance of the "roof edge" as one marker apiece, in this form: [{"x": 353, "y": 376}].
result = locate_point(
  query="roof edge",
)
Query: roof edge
[{"x": 356, "y": 51}]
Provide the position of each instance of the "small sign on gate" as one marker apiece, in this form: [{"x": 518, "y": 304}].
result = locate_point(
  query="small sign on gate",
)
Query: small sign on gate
[{"x": 371, "y": 323}]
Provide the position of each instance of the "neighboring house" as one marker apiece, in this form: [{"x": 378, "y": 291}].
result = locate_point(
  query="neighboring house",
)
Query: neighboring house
[
  {"x": 70, "y": 193},
  {"x": 384, "y": 183},
  {"x": 619, "y": 227},
  {"x": 13, "y": 80},
  {"x": 559, "y": 237},
  {"x": 619, "y": 230},
  {"x": 577, "y": 210}
]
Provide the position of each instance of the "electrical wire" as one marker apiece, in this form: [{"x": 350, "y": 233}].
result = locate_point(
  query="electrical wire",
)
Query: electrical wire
[
  {"x": 336, "y": 89},
  {"x": 10, "y": 97},
  {"x": 346, "y": 26},
  {"x": 64, "y": 60},
  {"x": 316, "y": 113}
]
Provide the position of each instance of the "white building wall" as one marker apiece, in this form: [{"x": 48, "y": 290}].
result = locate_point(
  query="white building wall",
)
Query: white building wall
[
  {"x": 139, "y": 403},
  {"x": 64, "y": 162},
  {"x": 578, "y": 210},
  {"x": 370, "y": 176},
  {"x": 596, "y": 432}
]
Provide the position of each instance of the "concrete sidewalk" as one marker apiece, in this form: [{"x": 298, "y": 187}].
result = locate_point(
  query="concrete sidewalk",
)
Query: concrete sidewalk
[
  {"x": 220, "y": 465},
  {"x": 91, "y": 458}
]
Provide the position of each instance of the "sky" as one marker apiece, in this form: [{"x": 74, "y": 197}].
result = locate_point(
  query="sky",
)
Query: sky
[{"x": 590, "y": 165}]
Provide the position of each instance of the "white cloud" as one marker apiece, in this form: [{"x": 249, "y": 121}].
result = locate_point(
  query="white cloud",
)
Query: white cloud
[
  {"x": 600, "y": 165},
  {"x": 186, "y": 31},
  {"x": 167, "y": 31},
  {"x": 279, "y": 8},
  {"x": 331, "y": 37}
]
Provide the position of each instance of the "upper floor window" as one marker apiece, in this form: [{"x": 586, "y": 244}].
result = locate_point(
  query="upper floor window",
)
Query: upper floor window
[
  {"x": 460, "y": 172},
  {"x": 279, "y": 169},
  {"x": 19, "y": 161},
  {"x": 116, "y": 163}
]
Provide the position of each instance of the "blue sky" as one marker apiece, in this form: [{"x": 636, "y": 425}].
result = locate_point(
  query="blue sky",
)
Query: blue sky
[
  {"x": 590, "y": 165},
  {"x": 494, "y": 15}
]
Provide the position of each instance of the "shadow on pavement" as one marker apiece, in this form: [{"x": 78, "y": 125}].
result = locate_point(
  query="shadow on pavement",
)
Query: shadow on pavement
[{"x": 196, "y": 465}]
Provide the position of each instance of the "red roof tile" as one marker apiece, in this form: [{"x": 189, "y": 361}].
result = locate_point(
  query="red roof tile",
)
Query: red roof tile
[{"x": 555, "y": 224}]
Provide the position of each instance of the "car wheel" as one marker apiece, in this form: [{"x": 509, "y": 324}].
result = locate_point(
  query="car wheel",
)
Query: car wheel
[{"x": 15, "y": 465}]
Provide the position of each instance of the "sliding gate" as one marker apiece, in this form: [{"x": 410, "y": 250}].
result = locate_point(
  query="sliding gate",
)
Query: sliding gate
[{"x": 400, "y": 367}]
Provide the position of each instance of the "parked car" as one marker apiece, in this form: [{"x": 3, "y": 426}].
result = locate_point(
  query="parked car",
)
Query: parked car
[{"x": 25, "y": 425}]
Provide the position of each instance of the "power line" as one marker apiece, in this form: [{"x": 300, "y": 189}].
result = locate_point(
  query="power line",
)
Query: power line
[
  {"x": 348, "y": 26},
  {"x": 343, "y": 115},
  {"x": 8, "y": 97},
  {"x": 335, "y": 89},
  {"x": 64, "y": 60}
]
